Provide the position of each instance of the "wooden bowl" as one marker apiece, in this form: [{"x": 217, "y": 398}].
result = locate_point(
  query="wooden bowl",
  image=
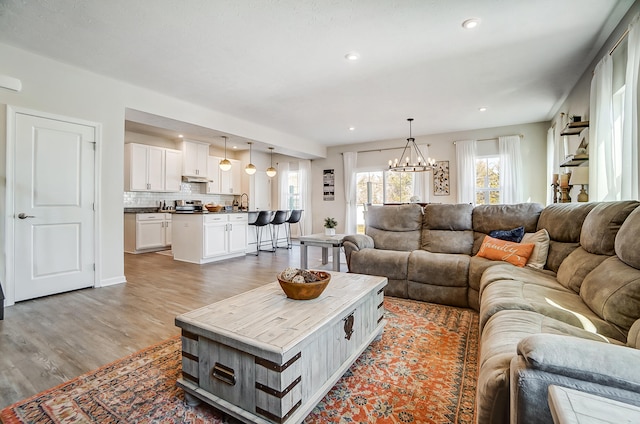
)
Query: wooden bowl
[
  {"x": 217, "y": 208},
  {"x": 305, "y": 291}
]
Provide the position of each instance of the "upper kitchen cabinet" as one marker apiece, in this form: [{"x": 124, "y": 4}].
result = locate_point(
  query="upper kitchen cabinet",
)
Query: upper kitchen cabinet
[
  {"x": 195, "y": 157},
  {"x": 224, "y": 182},
  {"x": 151, "y": 168}
]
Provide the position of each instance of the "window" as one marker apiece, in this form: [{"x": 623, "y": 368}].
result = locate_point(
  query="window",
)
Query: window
[
  {"x": 293, "y": 194},
  {"x": 488, "y": 180},
  {"x": 378, "y": 187}
]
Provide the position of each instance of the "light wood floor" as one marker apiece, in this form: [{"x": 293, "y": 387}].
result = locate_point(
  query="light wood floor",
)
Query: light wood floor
[{"x": 47, "y": 341}]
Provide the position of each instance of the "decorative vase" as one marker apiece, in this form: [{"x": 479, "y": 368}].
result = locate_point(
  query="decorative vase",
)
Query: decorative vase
[{"x": 329, "y": 231}]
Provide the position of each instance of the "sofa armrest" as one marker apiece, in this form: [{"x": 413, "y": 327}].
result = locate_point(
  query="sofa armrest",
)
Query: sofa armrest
[
  {"x": 582, "y": 359},
  {"x": 590, "y": 366},
  {"x": 355, "y": 242}
]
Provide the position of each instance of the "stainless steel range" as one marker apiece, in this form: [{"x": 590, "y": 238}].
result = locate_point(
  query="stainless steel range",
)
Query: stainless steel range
[{"x": 189, "y": 206}]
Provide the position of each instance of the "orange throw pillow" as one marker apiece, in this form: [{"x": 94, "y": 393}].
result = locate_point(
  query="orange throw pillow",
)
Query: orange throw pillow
[{"x": 500, "y": 250}]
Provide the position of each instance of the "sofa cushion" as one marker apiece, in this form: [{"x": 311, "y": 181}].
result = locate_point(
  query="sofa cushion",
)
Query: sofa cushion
[
  {"x": 557, "y": 303},
  {"x": 538, "y": 257},
  {"x": 438, "y": 277},
  {"x": 612, "y": 290},
  {"x": 576, "y": 266},
  {"x": 487, "y": 218},
  {"x": 601, "y": 226},
  {"x": 563, "y": 221},
  {"x": 447, "y": 228},
  {"x": 395, "y": 227},
  {"x": 392, "y": 264},
  {"x": 515, "y": 235},
  {"x": 500, "y": 250},
  {"x": 627, "y": 244}
]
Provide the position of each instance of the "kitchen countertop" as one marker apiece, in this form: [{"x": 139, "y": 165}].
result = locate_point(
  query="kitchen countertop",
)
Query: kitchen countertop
[{"x": 155, "y": 210}]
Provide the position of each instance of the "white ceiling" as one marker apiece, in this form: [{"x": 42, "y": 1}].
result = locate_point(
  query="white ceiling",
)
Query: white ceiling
[{"x": 280, "y": 63}]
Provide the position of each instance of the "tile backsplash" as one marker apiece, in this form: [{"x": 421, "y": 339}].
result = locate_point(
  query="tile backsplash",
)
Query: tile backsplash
[{"x": 188, "y": 191}]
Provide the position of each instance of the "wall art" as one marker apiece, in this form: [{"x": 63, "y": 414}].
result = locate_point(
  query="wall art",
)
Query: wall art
[
  {"x": 441, "y": 178},
  {"x": 328, "y": 185}
]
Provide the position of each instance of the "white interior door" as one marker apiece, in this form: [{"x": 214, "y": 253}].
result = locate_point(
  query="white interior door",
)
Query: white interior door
[{"x": 53, "y": 206}]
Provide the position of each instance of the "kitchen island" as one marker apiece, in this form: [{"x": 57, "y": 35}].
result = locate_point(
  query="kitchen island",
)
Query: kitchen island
[{"x": 208, "y": 237}]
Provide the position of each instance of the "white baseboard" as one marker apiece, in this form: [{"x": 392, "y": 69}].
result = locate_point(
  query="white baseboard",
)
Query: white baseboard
[{"x": 112, "y": 281}]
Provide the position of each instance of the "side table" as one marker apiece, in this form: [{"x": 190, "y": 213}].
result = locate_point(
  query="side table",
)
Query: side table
[
  {"x": 324, "y": 241},
  {"x": 569, "y": 406}
]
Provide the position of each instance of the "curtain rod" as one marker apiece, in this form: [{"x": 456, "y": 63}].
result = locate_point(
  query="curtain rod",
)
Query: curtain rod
[
  {"x": 620, "y": 40},
  {"x": 494, "y": 138}
]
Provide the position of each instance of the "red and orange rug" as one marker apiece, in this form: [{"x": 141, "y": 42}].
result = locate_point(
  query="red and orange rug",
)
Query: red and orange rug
[{"x": 422, "y": 370}]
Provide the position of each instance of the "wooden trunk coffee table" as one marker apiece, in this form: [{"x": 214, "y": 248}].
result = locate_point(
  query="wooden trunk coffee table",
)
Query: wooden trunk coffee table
[{"x": 263, "y": 358}]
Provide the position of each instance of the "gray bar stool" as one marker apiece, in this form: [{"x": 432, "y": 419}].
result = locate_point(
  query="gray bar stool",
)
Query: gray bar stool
[
  {"x": 279, "y": 219},
  {"x": 263, "y": 219},
  {"x": 294, "y": 218}
]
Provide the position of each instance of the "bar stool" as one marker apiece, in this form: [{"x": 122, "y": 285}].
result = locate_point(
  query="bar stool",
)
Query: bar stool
[
  {"x": 263, "y": 219},
  {"x": 294, "y": 218},
  {"x": 279, "y": 218}
]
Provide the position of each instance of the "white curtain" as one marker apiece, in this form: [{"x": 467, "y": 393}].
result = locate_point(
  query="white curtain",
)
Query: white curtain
[
  {"x": 604, "y": 178},
  {"x": 283, "y": 180},
  {"x": 466, "y": 152},
  {"x": 304, "y": 179},
  {"x": 630, "y": 160},
  {"x": 510, "y": 169},
  {"x": 421, "y": 180},
  {"x": 551, "y": 169},
  {"x": 350, "y": 160}
]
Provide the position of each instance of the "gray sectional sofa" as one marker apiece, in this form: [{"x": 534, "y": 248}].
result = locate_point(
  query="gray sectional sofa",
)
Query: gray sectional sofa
[{"x": 573, "y": 323}]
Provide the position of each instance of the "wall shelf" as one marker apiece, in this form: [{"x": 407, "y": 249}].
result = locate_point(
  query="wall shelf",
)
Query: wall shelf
[
  {"x": 575, "y": 128},
  {"x": 576, "y": 160}
]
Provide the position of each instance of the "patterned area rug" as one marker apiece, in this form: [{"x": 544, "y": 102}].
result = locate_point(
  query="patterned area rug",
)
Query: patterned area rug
[{"x": 422, "y": 370}]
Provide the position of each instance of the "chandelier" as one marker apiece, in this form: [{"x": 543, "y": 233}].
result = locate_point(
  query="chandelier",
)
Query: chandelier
[{"x": 414, "y": 161}]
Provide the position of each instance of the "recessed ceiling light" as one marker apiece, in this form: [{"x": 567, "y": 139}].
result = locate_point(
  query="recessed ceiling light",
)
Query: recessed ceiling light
[
  {"x": 352, "y": 56},
  {"x": 352, "y": 128},
  {"x": 482, "y": 109},
  {"x": 180, "y": 136},
  {"x": 235, "y": 147},
  {"x": 471, "y": 23}
]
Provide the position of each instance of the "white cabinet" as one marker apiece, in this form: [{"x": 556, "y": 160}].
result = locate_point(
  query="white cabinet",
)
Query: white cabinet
[
  {"x": 195, "y": 157},
  {"x": 237, "y": 233},
  {"x": 214, "y": 236},
  {"x": 202, "y": 238},
  {"x": 224, "y": 182},
  {"x": 173, "y": 170},
  {"x": 145, "y": 232},
  {"x": 151, "y": 168}
]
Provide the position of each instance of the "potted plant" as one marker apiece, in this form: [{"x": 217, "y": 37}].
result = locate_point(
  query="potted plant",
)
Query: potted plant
[{"x": 330, "y": 225}]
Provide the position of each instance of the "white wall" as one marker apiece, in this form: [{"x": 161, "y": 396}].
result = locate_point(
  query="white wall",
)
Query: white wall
[
  {"x": 442, "y": 148},
  {"x": 577, "y": 103},
  {"x": 53, "y": 87}
]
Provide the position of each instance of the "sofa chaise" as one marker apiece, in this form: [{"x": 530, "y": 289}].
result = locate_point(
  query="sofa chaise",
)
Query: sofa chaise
[{"x": 570, "y": 316}]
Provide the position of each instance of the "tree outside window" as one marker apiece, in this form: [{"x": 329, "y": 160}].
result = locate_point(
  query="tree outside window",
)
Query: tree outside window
[
  {"x": 379, "y": 187},
  {"x": 488, "y": 181}
]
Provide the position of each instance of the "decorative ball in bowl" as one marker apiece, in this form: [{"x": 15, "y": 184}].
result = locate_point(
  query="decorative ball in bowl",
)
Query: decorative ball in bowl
[{"x": 301, "y": 284}]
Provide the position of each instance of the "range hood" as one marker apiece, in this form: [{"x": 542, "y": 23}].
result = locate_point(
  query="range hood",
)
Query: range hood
[{"x": 186, "y": 179}]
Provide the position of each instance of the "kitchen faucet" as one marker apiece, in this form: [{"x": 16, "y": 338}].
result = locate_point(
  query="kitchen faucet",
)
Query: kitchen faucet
[{"x": 242, "y": 207}]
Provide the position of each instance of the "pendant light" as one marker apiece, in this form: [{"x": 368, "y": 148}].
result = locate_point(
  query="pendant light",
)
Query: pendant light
[
  {"x": 250, "y": 168},
  {"x": 225, "y": 164},
  {"x": 419, "y": 165},
  {"x": 271, "y": 171}
]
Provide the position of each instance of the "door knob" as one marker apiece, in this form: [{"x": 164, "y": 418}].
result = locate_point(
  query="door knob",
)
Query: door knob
[{"x": 23, "y": 215}]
